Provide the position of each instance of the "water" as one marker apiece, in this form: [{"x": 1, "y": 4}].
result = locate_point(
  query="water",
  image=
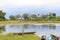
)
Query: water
[{"x": 40, "y": 29}]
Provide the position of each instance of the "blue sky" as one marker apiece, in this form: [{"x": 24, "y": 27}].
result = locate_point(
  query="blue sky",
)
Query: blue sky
[{"x": 13, "y": 7}]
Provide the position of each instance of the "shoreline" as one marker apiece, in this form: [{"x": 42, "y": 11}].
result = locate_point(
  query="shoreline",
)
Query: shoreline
[{"x": 27, "y": 22}]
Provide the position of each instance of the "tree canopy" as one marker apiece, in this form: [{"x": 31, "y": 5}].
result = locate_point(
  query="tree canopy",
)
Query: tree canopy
[
  {"x": 27, "y": 16},
  {"x": 2, "y": 15},
  {"x": 16, "y": 17}
]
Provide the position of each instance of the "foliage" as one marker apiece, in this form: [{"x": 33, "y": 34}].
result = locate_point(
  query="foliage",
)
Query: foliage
[
  {"x": 35, "y": 17},
  {"x": 12, "y": 17},
  {"x": 16, "y": 17},
  {"x": 2, "y": 15},
  {"x": 26, "y": 16}
]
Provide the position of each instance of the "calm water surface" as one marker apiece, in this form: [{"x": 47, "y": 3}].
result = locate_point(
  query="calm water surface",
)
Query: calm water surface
[{"x": 40, "y": 29}]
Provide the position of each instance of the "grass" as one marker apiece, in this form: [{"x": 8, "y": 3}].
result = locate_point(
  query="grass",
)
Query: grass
[
  {"x": 19, "y": 37},
  {"x": 26, "y": 22}
]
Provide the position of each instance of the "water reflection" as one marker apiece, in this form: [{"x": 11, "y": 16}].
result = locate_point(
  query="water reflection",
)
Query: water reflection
[
  {"x": 25, "y": 26},
  {"x": 49, "y": 26},
  {"x": 52, "y": 26},
  {"x": 41, "y": 28},
  {"x": 2, "y": 28}
]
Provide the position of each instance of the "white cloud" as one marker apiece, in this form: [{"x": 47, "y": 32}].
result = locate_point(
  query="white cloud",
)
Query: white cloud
[
  {"x": 45, "y": 3},
  {"x": 20, "y": 2},
  {"x": 52, "y": 3}
]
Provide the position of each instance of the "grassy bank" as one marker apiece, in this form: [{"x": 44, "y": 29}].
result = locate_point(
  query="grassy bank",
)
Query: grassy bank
[
  {"x": 27, "y": 22},
  {"x": 19, "y": 37}
]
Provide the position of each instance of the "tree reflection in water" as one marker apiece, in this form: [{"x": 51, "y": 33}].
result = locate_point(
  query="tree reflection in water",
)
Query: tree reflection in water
[
  {"x": 52, "y": 26},
  {"x": 25, "y": 26},
  {"x": 48, "y": 26},
  {"x": 2, "y": 28}
]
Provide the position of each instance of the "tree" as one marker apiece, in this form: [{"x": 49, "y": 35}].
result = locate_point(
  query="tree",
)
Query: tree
[
  {"x": 17, "y": 16},
  {"x": 34, "y": 16},
  {"x": 2, "y": 15},
  {"x": 26, "y": 16},
  {"x": 52, "y": 15},
  {"x": 44, "y": 16},
  {"x": 12, "y": 17}
]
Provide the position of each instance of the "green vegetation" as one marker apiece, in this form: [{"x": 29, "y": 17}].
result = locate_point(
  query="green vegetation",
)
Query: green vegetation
[
  {"x": 19, "y": 37},
  {"x": 16, "y": 17},
  {"x": 14, "y": 22},
  {"x": 35, "y": 17},
  {"x": 31, "y": 17},
  {"x": 2, "y": 15}
]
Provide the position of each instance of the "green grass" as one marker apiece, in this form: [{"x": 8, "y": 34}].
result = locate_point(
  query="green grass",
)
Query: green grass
[
  {"x": 19, "y": 37},
  {"x": 25, "y": 22}
]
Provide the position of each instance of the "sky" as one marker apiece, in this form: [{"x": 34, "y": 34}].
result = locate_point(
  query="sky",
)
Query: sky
[{"x": 13, "y": 7}]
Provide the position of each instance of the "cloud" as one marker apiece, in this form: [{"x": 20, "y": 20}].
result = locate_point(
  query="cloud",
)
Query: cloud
[
  {"x": 44, "y": 3},
  {"x": 52, "y": 3},
  {"x": 47, "y": 3},
  {"x": 20, "y": 2}
]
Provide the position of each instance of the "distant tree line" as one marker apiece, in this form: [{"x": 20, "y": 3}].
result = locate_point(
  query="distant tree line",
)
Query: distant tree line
[{"x": 27, "y": 16}]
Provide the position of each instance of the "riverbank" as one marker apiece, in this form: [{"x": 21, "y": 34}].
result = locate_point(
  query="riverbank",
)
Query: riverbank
[
  {"x": 19, "y": 37},
  {"x": 28, "y": 22}
]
